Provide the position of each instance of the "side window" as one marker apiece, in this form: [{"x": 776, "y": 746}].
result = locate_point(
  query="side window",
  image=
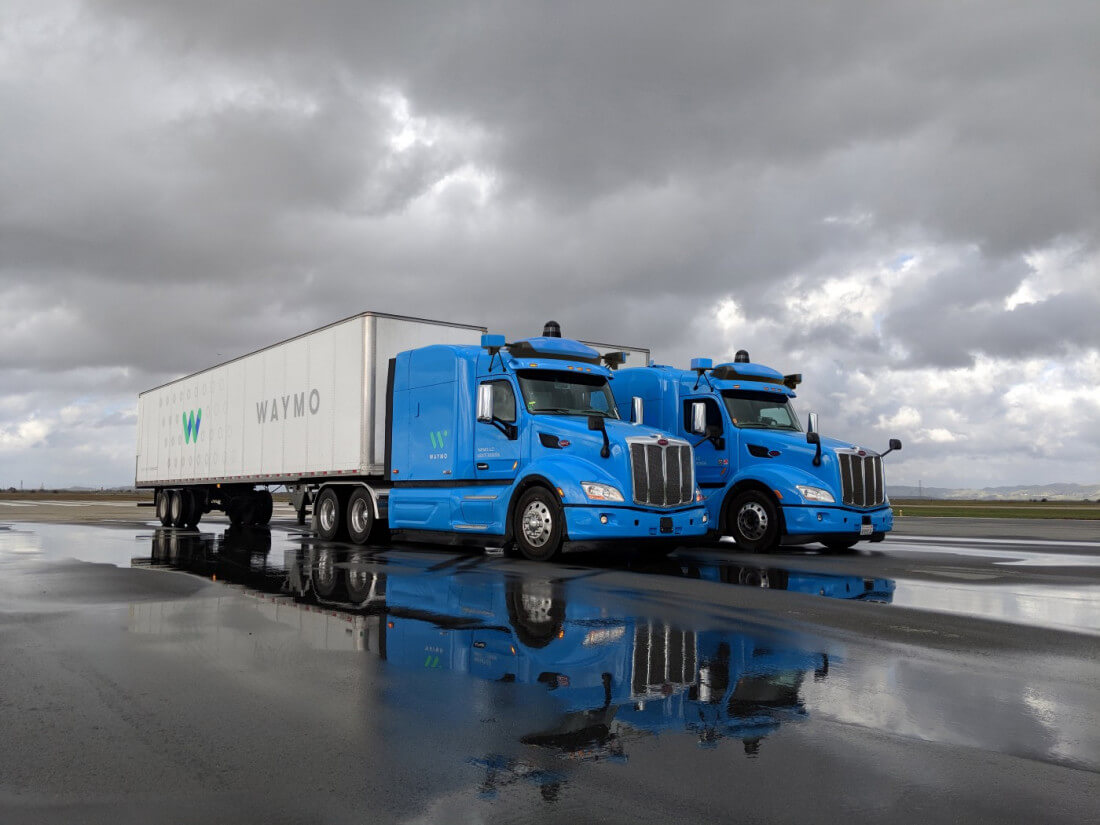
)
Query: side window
[
  {"x": 714, "y": 415},
  {"x": 504, "y": 402}
]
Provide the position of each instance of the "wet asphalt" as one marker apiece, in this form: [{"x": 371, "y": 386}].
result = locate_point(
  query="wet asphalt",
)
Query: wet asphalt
[{"x": 258, "y": 675}]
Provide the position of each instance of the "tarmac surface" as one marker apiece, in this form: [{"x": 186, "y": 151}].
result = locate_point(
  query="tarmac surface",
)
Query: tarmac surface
[{"x": 227, "y": 674}]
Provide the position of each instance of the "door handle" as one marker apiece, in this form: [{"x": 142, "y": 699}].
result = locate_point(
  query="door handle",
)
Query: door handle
[{"x": 481, "y": 465}]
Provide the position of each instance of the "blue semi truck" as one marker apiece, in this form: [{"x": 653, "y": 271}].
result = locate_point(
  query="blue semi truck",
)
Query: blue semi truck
[
  {"x": 433, "y": 431},
  {"x": 766, "y": 481}
]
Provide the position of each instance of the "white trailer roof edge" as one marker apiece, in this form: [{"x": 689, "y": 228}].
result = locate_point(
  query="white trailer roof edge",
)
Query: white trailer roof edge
[{"x": 311, "y": 332}]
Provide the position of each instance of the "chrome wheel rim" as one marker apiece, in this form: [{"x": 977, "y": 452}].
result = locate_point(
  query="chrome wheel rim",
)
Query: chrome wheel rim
[
  {"x": 326, "y": 570},
  {"x": 358, "y": 516},
  {"x": 358, "y": 578},
  {"x": 537, "y": 523},
  {"x": 752, "y": 521},
  {"x": 536, "y": 601},
  {"x": 328, "y": 514}
]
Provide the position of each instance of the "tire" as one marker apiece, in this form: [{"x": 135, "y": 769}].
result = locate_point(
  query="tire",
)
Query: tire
[
  {"x": 753, "y": 521},
  {"x": 360, "y": 516},
  {"x": 839, "y": 545},
  {"x": 765, "y": 579},
  {"x": 327, "y": 510},
  {"x": 359, "y": 578},
  {"x": 240, "y": 510},
  {"x": 536, "y": 610},
  {"x": 537, "y": 525},
  {"x": 177, "y": 508},
  {"x": 263, "y": 508},
  {"x": 193, "y": 502},
  {"x": 328, "y": 578},
  {"x": 163, "y": 508}
]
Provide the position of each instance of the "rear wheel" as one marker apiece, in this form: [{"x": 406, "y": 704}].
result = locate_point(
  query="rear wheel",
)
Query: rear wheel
[
  {"x": 163, "y": 509},
  {"x": 537, "y": 525},
  {"x": 753, "y": 521},
  {"x": 176, "y": 509},
  {"x": 328, "y": 578},
  {"x": 264, "y": 506},
  {"x": 360, "y": 516},
  {"x": 327, "y": 509},
  {"x": 240, "y": 509},
  {"x": 193, "y": 502}
]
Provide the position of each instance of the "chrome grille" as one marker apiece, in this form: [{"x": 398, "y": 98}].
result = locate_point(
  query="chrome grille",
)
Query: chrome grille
[
  {"x": 861, "y": 481},
  {"x": 662, "y": 475},
  {"x": 664, "y": 657}
]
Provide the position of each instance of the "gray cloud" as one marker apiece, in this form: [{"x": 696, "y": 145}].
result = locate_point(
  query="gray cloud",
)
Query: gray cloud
[{"x": 182, "y": 183}]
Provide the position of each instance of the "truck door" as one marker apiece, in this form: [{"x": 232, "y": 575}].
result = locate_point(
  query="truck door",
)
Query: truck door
[
  {"x": 711, "y": 465},
  {"x": 496, "y": 456}
]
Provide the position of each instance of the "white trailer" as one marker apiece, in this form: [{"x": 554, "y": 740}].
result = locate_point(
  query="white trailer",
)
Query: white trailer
[{"x": 310, "y": 408}]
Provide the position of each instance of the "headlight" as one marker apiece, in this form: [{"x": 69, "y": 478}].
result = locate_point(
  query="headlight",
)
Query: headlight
[
  {"x": 600, "y": 492},
  {"x": 603, "y": 635},
  {"x": 699, "y": 497},
  {"x": 814, "y": 494}
]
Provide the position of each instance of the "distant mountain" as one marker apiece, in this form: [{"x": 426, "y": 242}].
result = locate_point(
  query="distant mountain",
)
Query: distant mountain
[{"x": 1020, "y": 492}]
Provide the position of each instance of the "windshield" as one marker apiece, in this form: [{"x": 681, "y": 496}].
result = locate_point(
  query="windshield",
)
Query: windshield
[
  {"x": 760, "y": 410},
  {"x": 555, "y": 392}
]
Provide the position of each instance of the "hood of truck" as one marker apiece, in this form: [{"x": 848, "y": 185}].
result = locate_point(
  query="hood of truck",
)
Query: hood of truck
[
  {"x": 575, "y": 429},
  {"x": 782, "y": 450}
]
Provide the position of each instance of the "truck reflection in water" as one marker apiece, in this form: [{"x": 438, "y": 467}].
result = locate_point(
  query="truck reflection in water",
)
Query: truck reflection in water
[{"x": 610, "y": 678}]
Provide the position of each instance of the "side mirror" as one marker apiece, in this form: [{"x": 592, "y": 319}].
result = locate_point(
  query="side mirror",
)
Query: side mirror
[
  {"x": 699, "y": 418},
  {"x": 813, "y": 437},
  {"x": 895, "y": 444},
  {"x": 485, "y": 403},
  {"x": 811, "y": 423},
  {"x": 714, "y": 433},
  {"x": 596, "y": 422},
  {"x": 636, "y": 410}
]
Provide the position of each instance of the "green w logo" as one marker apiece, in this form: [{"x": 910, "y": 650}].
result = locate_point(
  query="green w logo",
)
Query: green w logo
[
  {"x": 437, "y": 438},
  {"x": 191, "y": 423}
]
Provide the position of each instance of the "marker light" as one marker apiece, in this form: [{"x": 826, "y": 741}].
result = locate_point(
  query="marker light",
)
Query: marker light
[
  {"x": 699, "y": 495},
  {"x": 600, "y": 492},
  {"x": 815, "y": 494}
]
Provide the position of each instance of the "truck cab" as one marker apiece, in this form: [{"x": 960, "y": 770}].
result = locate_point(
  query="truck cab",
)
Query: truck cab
[
  {"x": 523, "y": 445},
  {"x": 767, "y": 481}
]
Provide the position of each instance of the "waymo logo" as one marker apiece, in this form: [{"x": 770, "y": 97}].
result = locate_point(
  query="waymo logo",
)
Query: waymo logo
[{"x": 191, "y": 421}]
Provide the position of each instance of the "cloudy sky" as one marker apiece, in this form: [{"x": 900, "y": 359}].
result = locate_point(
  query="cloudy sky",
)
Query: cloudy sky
[{"x": 899, "y": 200}]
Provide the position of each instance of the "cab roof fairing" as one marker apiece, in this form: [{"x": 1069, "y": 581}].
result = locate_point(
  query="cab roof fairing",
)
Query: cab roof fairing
[{"x": 690, "y": 382}]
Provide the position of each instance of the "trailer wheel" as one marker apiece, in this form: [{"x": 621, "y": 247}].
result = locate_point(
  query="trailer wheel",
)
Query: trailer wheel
[
  {"x": 328, "y": 578},
  {"x": 264, "y": 506},
  {"x": 240, "y": 509},
  {"x": 753, "y": 521},
  {"x": 537, "y": 526},
  {"x": 360, "y": 517},
  {"x": 193, "y": 501},
  {"x": 176, "y": 508},
  {"x": 163, "y": 508},
  {"x": 328, "y": 514}
]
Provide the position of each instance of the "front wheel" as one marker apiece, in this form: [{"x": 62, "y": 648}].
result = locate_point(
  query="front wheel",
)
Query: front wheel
[
  {"x": 753, "y": 521},
  {"x": 537, "y": 525}
]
